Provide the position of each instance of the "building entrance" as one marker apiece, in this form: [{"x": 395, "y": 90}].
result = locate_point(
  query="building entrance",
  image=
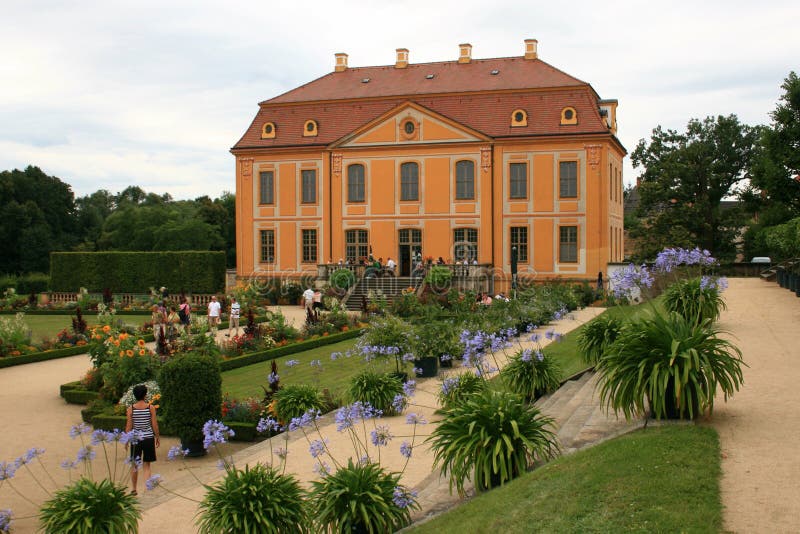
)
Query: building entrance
[{"x": 410, "y": 240}]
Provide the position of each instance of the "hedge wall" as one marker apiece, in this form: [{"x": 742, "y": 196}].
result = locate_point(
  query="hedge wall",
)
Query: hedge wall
[{"x": 135, "y": 272}]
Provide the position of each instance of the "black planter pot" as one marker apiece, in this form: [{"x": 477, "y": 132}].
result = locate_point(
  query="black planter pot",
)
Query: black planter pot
[
  {"x": 780, "y": 277},
  {"x": 427, "y": 367},
  {"x": 790, "y": 282},
  {"x": 194, "y": 446}
]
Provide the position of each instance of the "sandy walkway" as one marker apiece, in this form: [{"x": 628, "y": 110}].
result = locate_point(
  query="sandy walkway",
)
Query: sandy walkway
[{"x": 759, "y": 427}]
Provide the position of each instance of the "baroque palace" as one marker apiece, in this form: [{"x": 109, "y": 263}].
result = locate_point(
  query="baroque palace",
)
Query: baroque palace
[{"x": 461, "y": 160}]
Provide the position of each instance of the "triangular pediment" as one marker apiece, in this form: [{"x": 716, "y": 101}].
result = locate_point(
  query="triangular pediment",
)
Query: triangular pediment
[{"x": 407, "y": 124}]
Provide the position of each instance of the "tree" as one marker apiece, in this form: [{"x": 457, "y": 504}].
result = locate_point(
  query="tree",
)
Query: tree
[{"x": 685, "y": 177}]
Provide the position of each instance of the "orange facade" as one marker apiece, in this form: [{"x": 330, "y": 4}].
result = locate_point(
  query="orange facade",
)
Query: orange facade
[{"x": 500, "y": 153}]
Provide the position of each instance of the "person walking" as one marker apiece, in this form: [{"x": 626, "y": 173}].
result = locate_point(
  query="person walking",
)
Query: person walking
[
  {"x": 159, "y": 319},
  {"x": 213, "y": 315},
  {"x": 235, "y": 312},
  {"x": 141, "y": 417},
  {"x": 185, "y": 314},
  {"x": 308, "y": 299}
]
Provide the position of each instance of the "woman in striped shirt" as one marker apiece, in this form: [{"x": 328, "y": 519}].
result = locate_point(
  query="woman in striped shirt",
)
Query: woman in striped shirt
[{"x": 142, "y": 418}]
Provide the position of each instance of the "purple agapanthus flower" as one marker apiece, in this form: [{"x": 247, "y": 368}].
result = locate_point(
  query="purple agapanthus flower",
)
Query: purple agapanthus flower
[
  {"x": 406, "y": 449},
  {"x": 403, "y": 498},
  {"x": 381, "y": 436},
  {"x": 153, "y": 482},
  {"x": 266, "y": 424},
  {"x": 317, "y": 447}
]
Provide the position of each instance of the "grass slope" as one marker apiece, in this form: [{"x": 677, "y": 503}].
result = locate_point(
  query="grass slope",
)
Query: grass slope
[{"x": 663, "y": 479}]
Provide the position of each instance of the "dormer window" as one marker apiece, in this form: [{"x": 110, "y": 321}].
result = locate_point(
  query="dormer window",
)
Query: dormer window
[
  {"x": 519, "y": 118},
  {"x": 310, "y": 129},
  {"x": 568, "y": 116},
  {"x": 268, "y": 131}
]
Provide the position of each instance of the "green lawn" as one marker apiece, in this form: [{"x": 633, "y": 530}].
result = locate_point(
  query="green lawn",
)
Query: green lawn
[
  {"x": 663, "y": 479},
  {"x": 334, "y": 375},
  {"x": 49, "y": 325}
]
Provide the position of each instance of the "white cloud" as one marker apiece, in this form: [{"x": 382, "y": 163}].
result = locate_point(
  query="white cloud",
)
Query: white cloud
[{"x": 150, "y": 93}]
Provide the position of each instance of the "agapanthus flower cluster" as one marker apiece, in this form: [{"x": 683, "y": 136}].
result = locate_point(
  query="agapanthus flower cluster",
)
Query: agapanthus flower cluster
[
  {"x": 7, "y": 470},
  {"x": 273, "y": 378},
  {"x": 268, "y": 424},
  {"x": 381, "y": 435},
  {"x": 79, "y": 429},
  {"x": 406, "y": 449},
  {"x": 317, "y": 447},
  {"x": 372, "y": 351},
  {"x": 6, "y": 520},
  {"x": 710, "y": 282},
  {"x": 216, "y": 433},
  {"x": 403, "y": 497},
  {"x": 306, "y": 420},
  {"x": 670, "y": 258},
  {"x": 153, "y": 482},
  {"x": 347, "y": 416},
  {"x": 449, "y": 384},
  {"x": 626, "y": 282},
  {"x": 176, "y": 452}
]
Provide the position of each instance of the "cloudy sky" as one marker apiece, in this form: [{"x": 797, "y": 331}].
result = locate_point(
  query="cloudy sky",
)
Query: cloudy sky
[{"x": 108, "y": 94}]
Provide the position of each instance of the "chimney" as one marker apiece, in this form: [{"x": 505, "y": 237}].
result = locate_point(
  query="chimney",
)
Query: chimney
[
  {"x": 341, "y": 62},
  {"x": 530, "y": 49},
  {"x": 402, "y": 58},
  {"x": 465, "y": 53}
]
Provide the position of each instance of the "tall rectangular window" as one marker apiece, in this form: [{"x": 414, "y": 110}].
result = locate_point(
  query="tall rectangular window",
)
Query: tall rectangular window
[
  {"x": 356, "y": 245},
  {"x": 568, "y": 244},
  {"x": 465, "y": 180},
  {"x": 267, "y": 246},
  {"x": 519, "y": 239},
  {"x": 309, "y": 179},
  {"x": 409, "y": 181},
  {"x": 568, "y": 179},
  {"x": 309, "y": 246},
  {"x": 518, "y": 180},
  {"x": 465, "y": 244},
  {"x": 266, "y": 184},
  {"x": 355, "y": 183}
]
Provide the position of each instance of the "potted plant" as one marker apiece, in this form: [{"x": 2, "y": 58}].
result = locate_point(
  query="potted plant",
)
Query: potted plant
[
  {"x": 670, "y": 363},
  {"x": 191, "y": 386}
]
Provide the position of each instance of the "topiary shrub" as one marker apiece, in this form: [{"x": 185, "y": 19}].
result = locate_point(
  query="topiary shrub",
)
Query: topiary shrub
[
  {"x": 255, "y": 499},
  {"x": 490, "y": 438},
  {"x": 377, "y": 389},
  {"x": 295, "y": 400},
  {"x": 342, "y": 279},
  {"x": 191, "y": 388}
]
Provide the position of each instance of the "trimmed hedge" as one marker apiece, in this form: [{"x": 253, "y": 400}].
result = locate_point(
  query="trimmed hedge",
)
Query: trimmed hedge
[
  {"x": 103, "y": 421},
  {"x": 271, "y": 354},
  {"x": 10, "y": 361},
  {"x": 79, "y": 396},
  {"x": 26, "y": 283},
  {"x": 70, "y": 312},
  {"x": 134, "y": 272}
]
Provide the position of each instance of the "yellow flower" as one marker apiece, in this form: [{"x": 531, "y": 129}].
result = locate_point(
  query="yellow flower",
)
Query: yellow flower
[
  {"x": 140, "y": 342},
  {"x": 142, "y": 352}
]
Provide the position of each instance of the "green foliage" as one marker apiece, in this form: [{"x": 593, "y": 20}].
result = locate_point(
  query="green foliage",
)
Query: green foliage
[
  {"x": 296, "y": 399},
  {"x": 358, "y": 498},
  {"x": 528, "y": 376},
  {"x": 490, "y": 439},
  {"x": 388, "y": 331},
  {"x": 783, "y": 240},
  {"x": 192, "y": 389},
  {"x": 439, "y": 278},
  {"x": 278, "y": 328},
  {"x": 597, "y": 335},
  {"x": 134, "y": 272},
  {"x": 457, "y": 389},
  {"x": 673, "y": 364},
  {"x": 434, "y": 339},
  {"x": 694, "y": 302},
  {"x": 685, "y": 177},
  {"x": 342, "y": 279},
  {"x": 378, "y": 389},
  {"x": 88, "y": 507},
  {"x": 407, "y": 304},
  {"x": 254, "y": 500},
  {"x": 14, "y": 334},
  {"x": 25, "y": 284}
]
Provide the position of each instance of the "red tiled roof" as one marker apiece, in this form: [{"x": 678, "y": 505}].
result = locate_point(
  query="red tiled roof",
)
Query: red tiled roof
[
  {"x": 451, "y": 93},
  {"x": 448, "y": 77}
]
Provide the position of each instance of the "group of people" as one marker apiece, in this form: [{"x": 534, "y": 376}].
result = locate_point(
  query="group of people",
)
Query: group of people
[
  {"x": 215, "y": 312},
  {"x": 486, "y": 299},
  {"x": 167, "y": 321},
  {"x": 375, "y": 267}
]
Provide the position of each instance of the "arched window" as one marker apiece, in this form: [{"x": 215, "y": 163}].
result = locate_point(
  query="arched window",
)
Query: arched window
[
  {"x": 409, "y": 181},
  {"x": 310, "y": 128},
  {"x": 355, "y": 183},
  {"x": 519, "y": 118},
  {"x": 569, "y": 116},
  {"x": 268, "y": 131},
  {"x": 465, "y": 180}
]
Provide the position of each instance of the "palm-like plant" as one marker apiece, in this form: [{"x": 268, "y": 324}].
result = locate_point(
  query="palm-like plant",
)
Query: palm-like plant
[
  {"x": 695, "y": 300},
  {"x": 257, "y": 499},
  {"x": 361, "y": 497},
  {"x": 86, "y": 507},
  {"x": 530, "y": 374},
  {"x": 597, "y": 335},
  {"x": 491, "y": 438},
  {"x": 671, "y": 362}
]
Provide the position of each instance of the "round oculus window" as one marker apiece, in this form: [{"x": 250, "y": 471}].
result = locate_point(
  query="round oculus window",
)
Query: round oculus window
[
  {"x": 568, "y": 114},
  {"x": 268, "y": 129},
  {"x": 310, "y": 126},
  {"x": 519, "y": 116},
  {"x": 408, "y": 127}
]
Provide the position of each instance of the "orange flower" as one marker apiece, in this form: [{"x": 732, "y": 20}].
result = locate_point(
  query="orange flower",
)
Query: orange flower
[
  {"x": 140, "y": 342},
  {"x": 116, "y": 343},
  {"x": 121, "y": 353},
  {"x": 129, "y": 352},
  {"x": 142, "y": 352},
  {"x": 98, "y": 337},
  {"x": 345, "y": 328},
  {"x": 123, "y": 336},
  {"x": 324, "y": 334},
  {"x": 81, "y": 342},
  {"x": 106, "y": 329}
]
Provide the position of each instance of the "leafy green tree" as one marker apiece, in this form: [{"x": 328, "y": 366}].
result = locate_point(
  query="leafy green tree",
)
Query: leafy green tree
[{"x": 685, "y": 177}]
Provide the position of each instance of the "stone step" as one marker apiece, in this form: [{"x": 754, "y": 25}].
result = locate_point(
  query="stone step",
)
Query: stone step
[
  {"x": 562, "y": 411},
  {"x": 560, "y": 396}
]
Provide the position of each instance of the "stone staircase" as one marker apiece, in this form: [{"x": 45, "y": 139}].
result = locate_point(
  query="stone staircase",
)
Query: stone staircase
[{"x": 388, "y": 286}]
